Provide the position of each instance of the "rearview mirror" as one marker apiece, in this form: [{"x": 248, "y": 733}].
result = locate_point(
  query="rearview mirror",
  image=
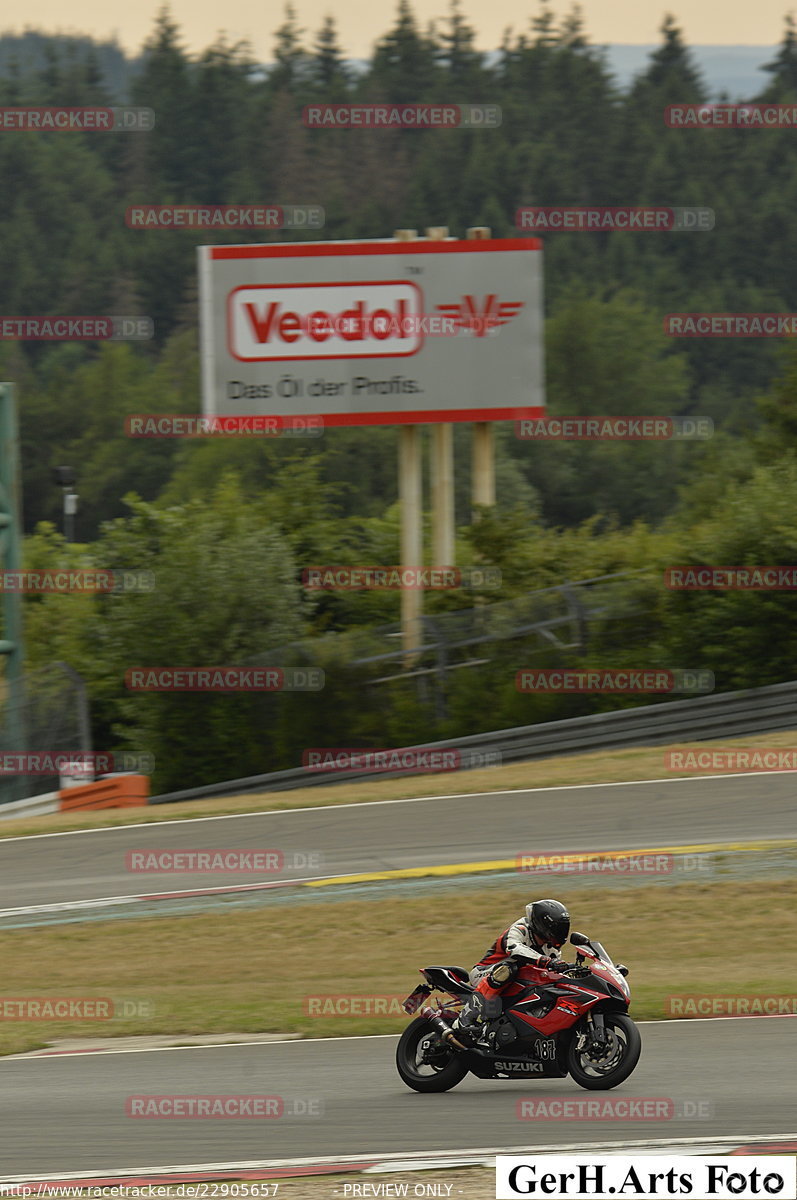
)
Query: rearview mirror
[{"x": 579, "y": 939}]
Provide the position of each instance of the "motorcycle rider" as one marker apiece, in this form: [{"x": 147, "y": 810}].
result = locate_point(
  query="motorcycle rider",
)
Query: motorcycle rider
[{"x": 536, "y": 937}]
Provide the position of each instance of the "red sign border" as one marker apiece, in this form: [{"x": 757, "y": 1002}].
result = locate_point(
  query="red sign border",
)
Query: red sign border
[
  {"x": 377, "y": 246},
  {"x": 381, "y": 246}
]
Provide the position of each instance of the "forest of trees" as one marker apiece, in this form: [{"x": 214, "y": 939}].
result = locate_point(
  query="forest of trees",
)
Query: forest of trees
[{"x": 243, "y": 517}]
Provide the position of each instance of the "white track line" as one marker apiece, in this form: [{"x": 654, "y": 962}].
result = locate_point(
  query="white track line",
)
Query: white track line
[
  {"x": 139, "y": 897},
  {"x": 359, "y": 1037},
  {"x": 402, "y": 1158},
  {"x": 565, "y": 787}
]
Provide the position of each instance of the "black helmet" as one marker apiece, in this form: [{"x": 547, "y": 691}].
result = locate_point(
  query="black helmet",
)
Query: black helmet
[{"x": 548, "y": 922}]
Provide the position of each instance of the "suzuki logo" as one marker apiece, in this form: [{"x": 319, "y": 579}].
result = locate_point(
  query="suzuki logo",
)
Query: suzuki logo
[
  {"x": 493, "y": 313},
  {"x": 522, "y": 1068}
]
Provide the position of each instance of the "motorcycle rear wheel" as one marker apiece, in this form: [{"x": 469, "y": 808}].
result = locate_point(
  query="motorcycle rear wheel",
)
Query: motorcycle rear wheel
[
  {"x": 600, "y": 1076},
  {"x": 444, "y": 1072}
]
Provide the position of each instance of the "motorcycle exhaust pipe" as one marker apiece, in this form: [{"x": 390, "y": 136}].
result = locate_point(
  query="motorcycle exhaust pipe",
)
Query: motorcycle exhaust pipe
[{"x": 445, "y": 1030}]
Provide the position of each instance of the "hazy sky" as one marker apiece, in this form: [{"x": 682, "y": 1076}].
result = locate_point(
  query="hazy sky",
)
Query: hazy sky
[{"x": 360, "y": 23}]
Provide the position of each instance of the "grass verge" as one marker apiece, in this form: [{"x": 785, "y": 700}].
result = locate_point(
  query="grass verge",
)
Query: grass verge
[
  {"x": 254, "y": 971},
  {"x": 610, "y": 766}
]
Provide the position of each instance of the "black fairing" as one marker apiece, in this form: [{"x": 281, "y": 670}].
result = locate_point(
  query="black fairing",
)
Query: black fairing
[
  {"x": 449, "y": 979},
  {"x": 487, "y": 1066},
  {"x": 598, "y": 984}
]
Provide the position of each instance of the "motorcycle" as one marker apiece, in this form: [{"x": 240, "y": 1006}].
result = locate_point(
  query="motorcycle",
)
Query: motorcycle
[{"x": 553, "y": 1024}]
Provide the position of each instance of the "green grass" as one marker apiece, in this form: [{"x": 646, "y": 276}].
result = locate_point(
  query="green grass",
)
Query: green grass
[{"x": 251, "y": 971}]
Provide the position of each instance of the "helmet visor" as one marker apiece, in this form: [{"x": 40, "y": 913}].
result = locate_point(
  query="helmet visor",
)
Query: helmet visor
[{"x": 552, "y": 930}]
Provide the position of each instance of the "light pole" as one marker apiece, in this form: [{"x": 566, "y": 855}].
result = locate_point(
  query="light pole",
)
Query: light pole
[{"x": 65, "y": 477}]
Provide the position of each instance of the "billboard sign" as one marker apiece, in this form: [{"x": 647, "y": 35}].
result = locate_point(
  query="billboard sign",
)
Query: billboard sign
[{"x": 373, "y": 333}]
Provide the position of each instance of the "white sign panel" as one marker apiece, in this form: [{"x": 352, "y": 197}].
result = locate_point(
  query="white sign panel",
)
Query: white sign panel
[{"x": 382, "y": 332}]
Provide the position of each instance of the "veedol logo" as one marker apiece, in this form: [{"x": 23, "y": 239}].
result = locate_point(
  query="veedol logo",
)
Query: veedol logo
[
  {"x": 273, "y": 322},
  {"x": 492, "y": 314},
  {"x": 337, "y": 320}
]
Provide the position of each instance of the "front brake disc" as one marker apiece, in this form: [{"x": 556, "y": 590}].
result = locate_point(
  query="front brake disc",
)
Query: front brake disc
[{"x": 603, "y": 1054}]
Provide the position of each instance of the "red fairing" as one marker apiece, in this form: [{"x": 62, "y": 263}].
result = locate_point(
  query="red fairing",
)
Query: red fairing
[{"x": 569, "y": 1007}]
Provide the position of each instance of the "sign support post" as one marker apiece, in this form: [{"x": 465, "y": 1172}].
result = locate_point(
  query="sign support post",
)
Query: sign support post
[
  {"x": 443, "y": 495},
  {"x": 483, "y": 461},
  {"x": 483, "y": 479},
  {"x": 442, "y": 472},
  {"x": 411, "y": 499},
  {"x": 410, "y": 494},
  {"x": 11, "y": 645}
]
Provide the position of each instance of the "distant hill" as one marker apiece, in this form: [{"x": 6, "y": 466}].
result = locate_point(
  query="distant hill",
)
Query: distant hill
[
  {"x": 735, "y": 70},
  {"x": 27, "y": 52}
]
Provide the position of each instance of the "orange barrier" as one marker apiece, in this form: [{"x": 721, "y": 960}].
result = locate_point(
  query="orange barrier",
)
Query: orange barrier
[{"x": 122, "y": 791}]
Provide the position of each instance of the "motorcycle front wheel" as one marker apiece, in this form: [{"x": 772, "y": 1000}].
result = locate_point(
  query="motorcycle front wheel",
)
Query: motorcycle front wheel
[
  {"x": 424, "y": 1062},
  {"x": 604, "y": 1069}
]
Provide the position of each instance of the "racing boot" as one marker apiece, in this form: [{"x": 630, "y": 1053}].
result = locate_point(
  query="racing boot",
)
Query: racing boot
[{"x": 469, "y": 1025}]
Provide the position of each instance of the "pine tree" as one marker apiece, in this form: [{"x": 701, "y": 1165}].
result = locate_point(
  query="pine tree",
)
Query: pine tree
[
  {"x": 329, "y": 70},
  {"x": 221, "y": 114},
  {"x": 286, "y": 75},
  {"x": 458, "y": 55},
  {"x": 50, "y": 76},
  {"x": 671, "y": 65},
  {"x": 783, "y": 67},
  {"x": 403, "y": 64},
  {"x": 165, "y": 85}
]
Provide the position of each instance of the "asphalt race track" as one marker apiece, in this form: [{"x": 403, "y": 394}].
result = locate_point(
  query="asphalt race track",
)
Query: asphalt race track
[
  {"x": 367, "y": 837},
  {"x": 68, "y": 1113}
]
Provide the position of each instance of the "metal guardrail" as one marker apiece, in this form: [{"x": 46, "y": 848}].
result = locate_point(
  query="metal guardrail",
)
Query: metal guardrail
[{"x": 729, "y": 714}]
